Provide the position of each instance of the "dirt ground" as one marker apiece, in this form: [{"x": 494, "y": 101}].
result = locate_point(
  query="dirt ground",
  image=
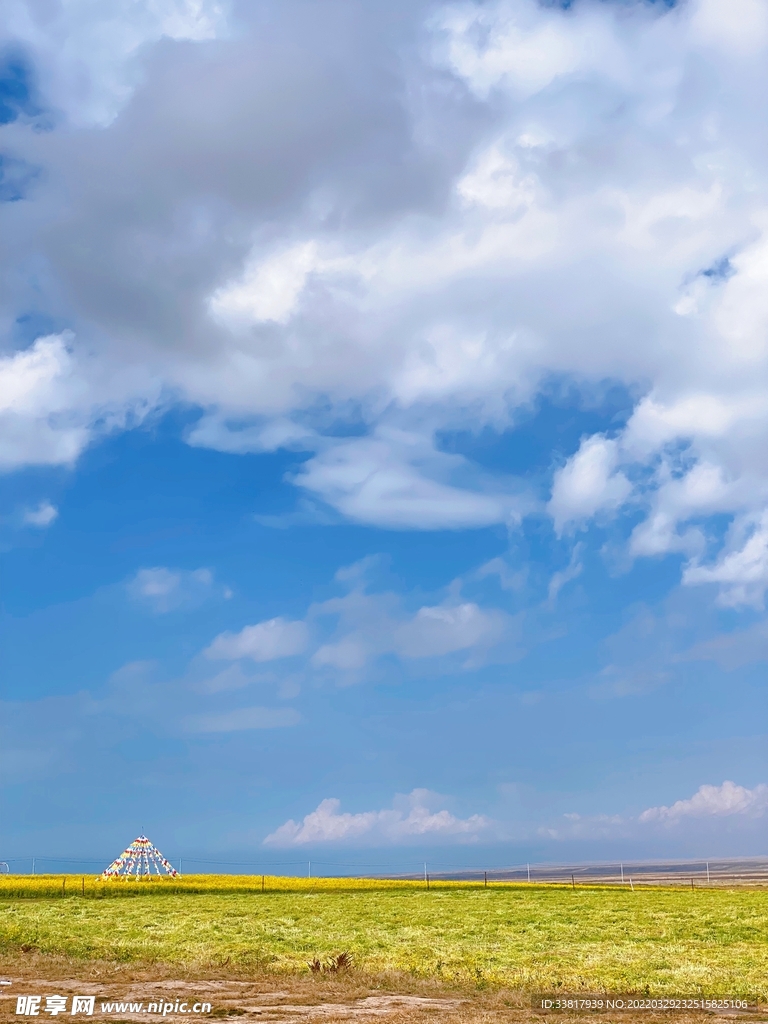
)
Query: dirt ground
[{"x": 323, "y": 999}]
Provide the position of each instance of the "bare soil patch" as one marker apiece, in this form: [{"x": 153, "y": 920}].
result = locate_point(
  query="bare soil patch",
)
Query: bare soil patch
[{"x": 239, "y": 998}]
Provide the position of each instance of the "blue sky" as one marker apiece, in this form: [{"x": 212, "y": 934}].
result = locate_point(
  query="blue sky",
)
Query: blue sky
[{"x": 383, "y": 397}]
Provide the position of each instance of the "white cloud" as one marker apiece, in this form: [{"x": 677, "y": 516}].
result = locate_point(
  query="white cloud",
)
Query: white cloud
[
  {"x": 497, "y": 183},
  {"x": 268, "y": 290},
  {"x": 213, "y": 432},
  {"x": 165, "y": 590},
  {"x": 409, "y": 820},
  {"x": 37, "y": 388},
  {"x": 705, "y": 809},
  {"x": 53, "y": 403},
  {"x": 588, "y": 483},
  {"x": 443, "y": 629},
  {"x": 90, "y": 53},
  {"x": 28, "y": 379},
  {"x": 432, "y": 632},
  {"x": 242, "y": 720},
  {"x": 370, "y": 625},
  {"x": 712, "y": 801},
  {"x": 348, "y": 633},
  {"x": 571, "y": 572},
  {"x": 41, "y": 516},
  {"x": 522, "y": 50},
  {"x": 349, "y": 654},
  {"x": 742, "y": 571},
  {"x": 740, "y": 26},
  {"x": 265, "y": 641},
  {"x": 402, "y": 265},
  {"x": 393, "y": 480}
]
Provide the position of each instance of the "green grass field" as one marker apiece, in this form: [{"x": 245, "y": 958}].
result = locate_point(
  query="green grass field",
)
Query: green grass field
[{"x": 539, "y": 938}]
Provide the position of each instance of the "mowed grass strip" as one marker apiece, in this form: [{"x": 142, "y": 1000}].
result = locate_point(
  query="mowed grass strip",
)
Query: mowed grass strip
[{"x": 655, "y": 941}]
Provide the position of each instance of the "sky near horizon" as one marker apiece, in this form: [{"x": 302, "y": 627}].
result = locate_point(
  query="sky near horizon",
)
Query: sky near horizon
[{"x": 383, "y": 430}]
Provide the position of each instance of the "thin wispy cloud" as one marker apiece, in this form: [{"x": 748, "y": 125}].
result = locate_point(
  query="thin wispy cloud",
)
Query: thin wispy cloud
[
  {"x": 163, "y": 590},
  {"x": 242, "y": 720},
  {"x": 264, "y": 641},
  {"x": 41, "y": 516}
]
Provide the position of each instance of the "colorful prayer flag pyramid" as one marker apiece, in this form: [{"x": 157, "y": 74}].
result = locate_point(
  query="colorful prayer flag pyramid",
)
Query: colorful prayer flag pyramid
[{"x": 138, "y": 861}]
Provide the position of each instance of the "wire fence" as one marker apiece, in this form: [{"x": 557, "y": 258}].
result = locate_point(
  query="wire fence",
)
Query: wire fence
[
  {"x": 751, "y": 871},
  {"x": 725, "y": 872}
]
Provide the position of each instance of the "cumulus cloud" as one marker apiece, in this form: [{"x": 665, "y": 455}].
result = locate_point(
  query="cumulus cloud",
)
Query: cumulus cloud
[
  {"x": 52, "y": 405},
  {"x": 37, "y": 393},
  {"x": 267, "y": 291},
  {"x": 411, "y": 819},
  {"x": 704, "y": 810},
  {"x": 572, "y": 207},
  {"x": 588, "y": 483},
  {"x": 90, "y": 56},
  {"x": 712, "y": 801},
  {"x": 265, "y": 641},
  {"x": 165, "y": 590}
]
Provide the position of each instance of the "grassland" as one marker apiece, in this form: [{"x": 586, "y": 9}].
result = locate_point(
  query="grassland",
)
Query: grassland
[{"x": 539, "y": 938}]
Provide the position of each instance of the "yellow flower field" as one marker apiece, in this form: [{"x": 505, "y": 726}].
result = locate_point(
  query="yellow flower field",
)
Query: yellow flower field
[{"x": 537, "y": 938}]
